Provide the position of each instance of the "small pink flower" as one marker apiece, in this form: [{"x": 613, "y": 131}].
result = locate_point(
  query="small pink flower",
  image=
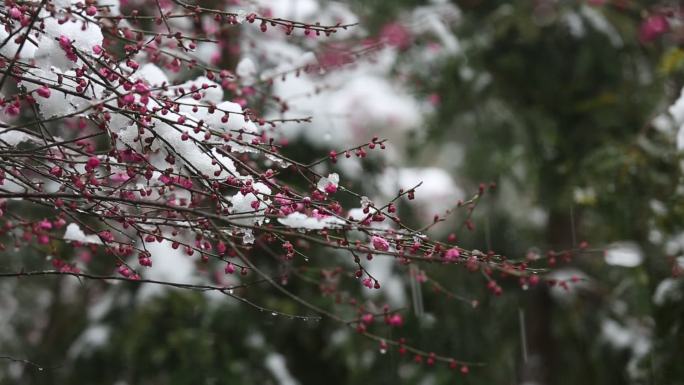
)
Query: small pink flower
[
  {"x": 380, "y": 243},
  {"x": 367, "y": 282},
  {"x": 452, "y": 255},
  {"x": 141, "y": 88},
  {"x": 397, "y": 35},
  {"x": 132, "y": 64},
  {"x": 328, "y": 184},
  {"x": 43, "y": 239},
  {"x": 186, "y": 183},
  {"x": 282, "y": 199},
  {"x": 318, "y": 215},
  {"x": 395, "y": 320},
  {"x": 145, "y": 261},
  {"x": 64, "y": 42},
  {"x": 653, "y": 27},
  {"x": 128, "y": 98},
  {"x": 45, "y": 224},
  {"x": 221, "y": 247},
  {"x": 330, "y": 188},
  {"x": 85, "y": 256},
  {"x": 230, "y": 268},
  {"x": 12, "y": 109},
  {"x": 434, "y": 99},
  {"x": 106, "y": 236},
  {"x": 43, "y": 91},
  {"x": 15, "y": 13},
  {"x": 241, "y": 101},
  {"x": 317, "y": 195},
  {"x": 92, "y": 163},
  {"x": 125, "y": 271},
  {"x": 119, "y": 177}
]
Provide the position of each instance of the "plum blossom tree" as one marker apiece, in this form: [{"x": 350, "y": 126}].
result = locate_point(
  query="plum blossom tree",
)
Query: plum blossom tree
[{"x": 131, "y": 133}]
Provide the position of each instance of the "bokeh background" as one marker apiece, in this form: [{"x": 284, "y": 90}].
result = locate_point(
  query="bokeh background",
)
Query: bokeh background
[{"x": 569, "y": 106}]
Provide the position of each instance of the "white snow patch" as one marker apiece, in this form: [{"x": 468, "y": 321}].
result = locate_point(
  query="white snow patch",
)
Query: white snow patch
[
  {"x": 168, "y": 264},
  {"x": 13, "y": 138},
  {"x": 276, "y": 364},
  {"x": 625, "y": 254},
  {"x": 333, "y": 179},
  {"x": 633, "y": 336},
  {"x": 667, "y": 289},
  {"x": 437, "y": 193},
  {"x": 301, "y": 221},
  {"x": 74, "y": 233}
]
